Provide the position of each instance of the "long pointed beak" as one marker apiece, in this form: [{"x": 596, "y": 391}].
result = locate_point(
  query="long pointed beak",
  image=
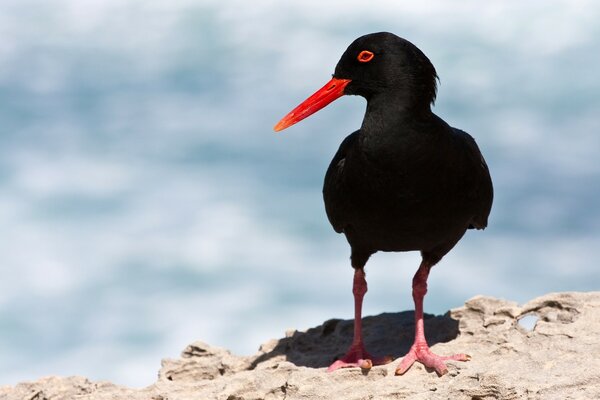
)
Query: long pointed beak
[{"x": 328, "y": 93}]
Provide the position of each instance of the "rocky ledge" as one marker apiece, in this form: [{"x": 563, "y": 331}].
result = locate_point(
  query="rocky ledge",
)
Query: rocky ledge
[{"x": 555, "y": 355}]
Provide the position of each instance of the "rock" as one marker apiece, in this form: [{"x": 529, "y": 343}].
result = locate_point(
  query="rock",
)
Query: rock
[{"x": 555, "y": 355}]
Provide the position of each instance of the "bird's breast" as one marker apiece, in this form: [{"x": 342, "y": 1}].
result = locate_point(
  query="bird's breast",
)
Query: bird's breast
[{"x": 397, "y": 201}]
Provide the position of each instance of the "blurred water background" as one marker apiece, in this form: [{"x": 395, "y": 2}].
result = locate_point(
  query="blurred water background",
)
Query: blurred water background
[{"x": 145, "y": 201}]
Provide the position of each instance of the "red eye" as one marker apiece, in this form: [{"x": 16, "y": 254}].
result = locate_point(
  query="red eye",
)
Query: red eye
[{"x": 365, "y": 56}]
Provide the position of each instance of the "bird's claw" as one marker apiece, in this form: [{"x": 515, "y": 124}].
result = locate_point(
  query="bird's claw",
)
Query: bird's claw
[
  {"x": 428, "y": 359},
  {"x": 358, "y": 357},
  {"x": 365, "y": 364}
]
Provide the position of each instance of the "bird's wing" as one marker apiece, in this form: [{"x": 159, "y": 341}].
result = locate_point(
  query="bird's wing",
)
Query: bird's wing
[
  {"x": 334, "y": 192},
  {"x": 483, "y": 191}
]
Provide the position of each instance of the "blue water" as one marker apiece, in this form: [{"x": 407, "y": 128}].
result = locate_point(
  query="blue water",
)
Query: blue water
[{"x": 145, "y": 201}]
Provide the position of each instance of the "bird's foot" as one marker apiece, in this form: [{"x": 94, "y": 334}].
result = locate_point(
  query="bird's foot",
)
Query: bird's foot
[
  {"x": 357, "y": 356},
  {"x": 421, "y": 353}
]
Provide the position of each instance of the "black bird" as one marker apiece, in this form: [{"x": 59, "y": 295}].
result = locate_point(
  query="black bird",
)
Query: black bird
[{"x": 405, "y": 181}]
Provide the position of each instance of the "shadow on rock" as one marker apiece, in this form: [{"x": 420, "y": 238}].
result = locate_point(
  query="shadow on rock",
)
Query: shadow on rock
[{"x": 385, "y": 334}]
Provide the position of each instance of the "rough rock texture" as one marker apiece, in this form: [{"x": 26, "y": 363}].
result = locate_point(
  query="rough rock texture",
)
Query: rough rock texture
[{"x": 559, "y": 358}]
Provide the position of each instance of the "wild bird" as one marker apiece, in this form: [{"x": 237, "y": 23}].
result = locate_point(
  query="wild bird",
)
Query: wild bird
[{"x": 405, "y": 181}]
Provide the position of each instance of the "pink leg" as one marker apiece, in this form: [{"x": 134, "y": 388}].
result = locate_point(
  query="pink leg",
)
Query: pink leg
[
  {"x": 357, "y": 356},
  {"x": 420, "y": 349}
]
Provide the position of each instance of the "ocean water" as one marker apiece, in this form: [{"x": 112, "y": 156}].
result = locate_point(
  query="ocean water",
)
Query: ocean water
[{"x": 145, "y": 201}]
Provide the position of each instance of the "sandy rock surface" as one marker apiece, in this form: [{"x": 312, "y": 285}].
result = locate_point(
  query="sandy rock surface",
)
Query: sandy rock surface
[{"x": 557, "y": 358}]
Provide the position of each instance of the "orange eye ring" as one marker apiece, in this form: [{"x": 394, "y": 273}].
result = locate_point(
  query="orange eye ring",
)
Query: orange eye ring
[{"x": 365, "y": 56}]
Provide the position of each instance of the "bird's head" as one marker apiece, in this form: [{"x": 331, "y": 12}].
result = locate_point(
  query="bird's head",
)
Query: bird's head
[{"x": 374, "y": 64}]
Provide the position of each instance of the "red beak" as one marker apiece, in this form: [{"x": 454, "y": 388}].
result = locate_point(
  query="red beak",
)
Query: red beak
[{"x": 328, "y": 93}]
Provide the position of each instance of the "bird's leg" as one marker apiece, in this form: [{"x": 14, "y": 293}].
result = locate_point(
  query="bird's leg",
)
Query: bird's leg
[
  {"x": 357, "y": 356},
  {"x": 420, "y": 349}
]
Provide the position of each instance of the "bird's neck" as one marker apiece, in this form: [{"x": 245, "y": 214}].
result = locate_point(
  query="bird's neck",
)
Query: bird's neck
[
  {"x": 392, "y": 120},
  {"x": 394, "y": 109}
]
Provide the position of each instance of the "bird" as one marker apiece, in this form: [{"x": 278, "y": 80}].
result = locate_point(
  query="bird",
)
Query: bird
[{"x": 405, "y": 181}]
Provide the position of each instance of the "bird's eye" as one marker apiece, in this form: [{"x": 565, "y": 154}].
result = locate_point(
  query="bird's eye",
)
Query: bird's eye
[{"x": 365, "y": 56}]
